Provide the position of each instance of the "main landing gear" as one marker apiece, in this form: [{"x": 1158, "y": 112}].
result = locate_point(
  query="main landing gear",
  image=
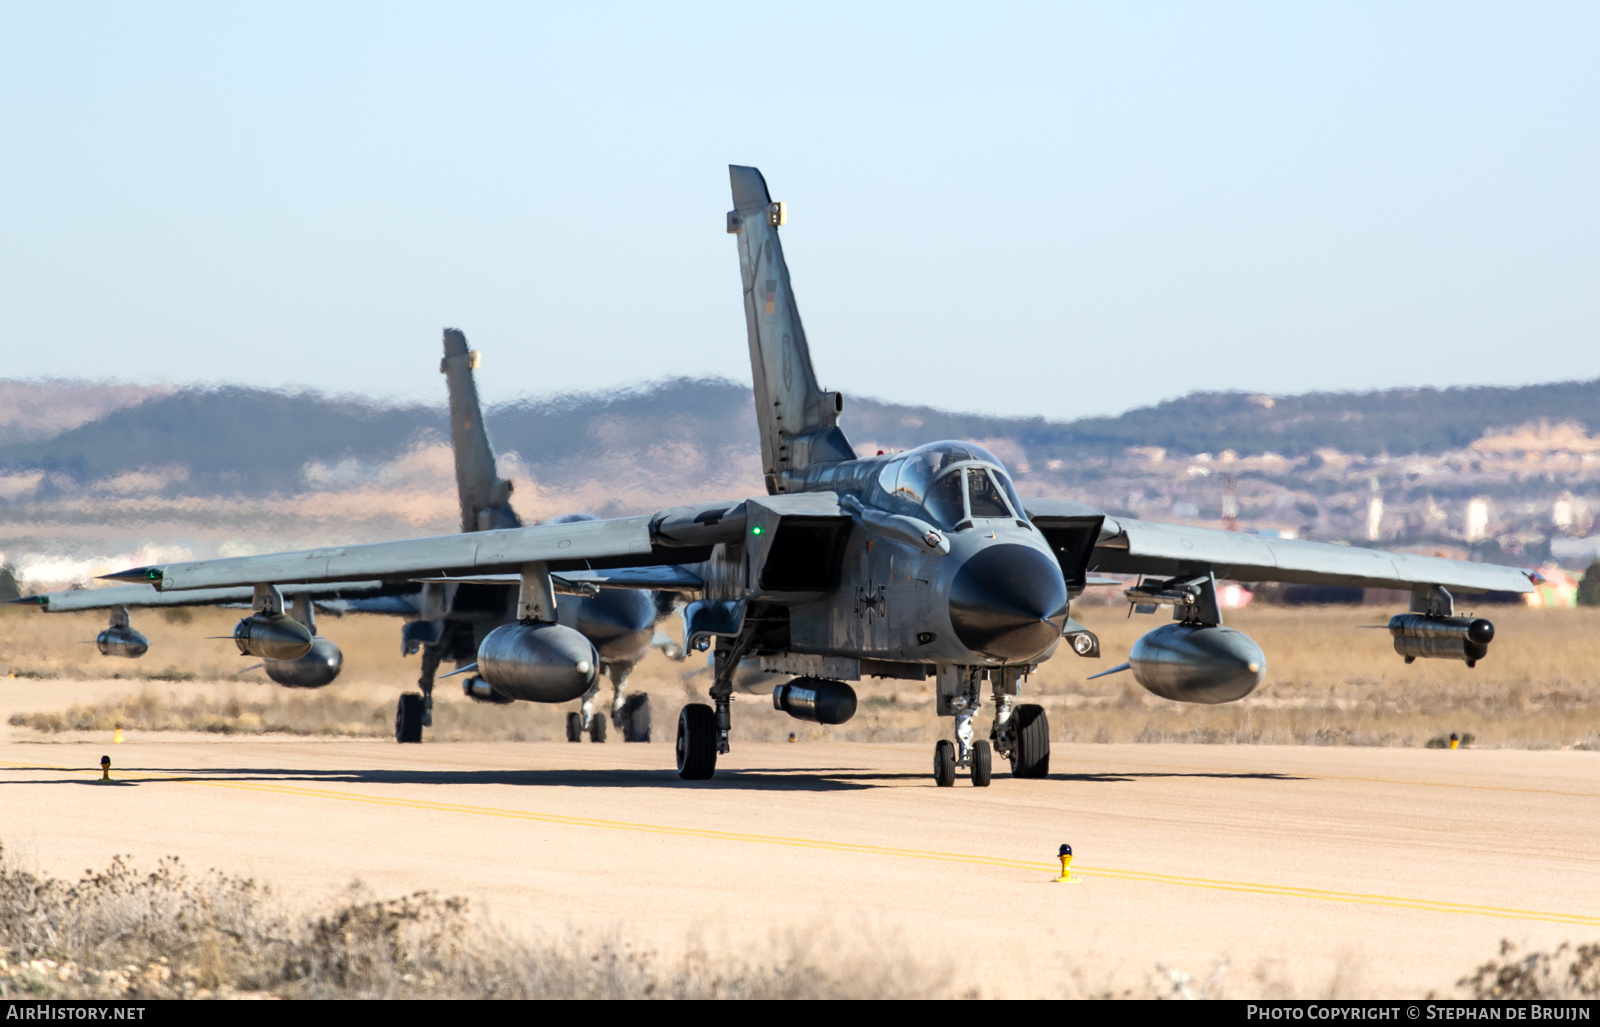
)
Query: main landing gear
[
  {"x": 702, "y": 729},
  {"x": 414, "y": 711},
  {"x": 630, "y": 714},
  {"x": 1020, "y": 734}
]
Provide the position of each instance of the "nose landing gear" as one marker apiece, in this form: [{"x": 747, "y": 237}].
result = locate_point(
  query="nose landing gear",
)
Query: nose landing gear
[
  {"x": 1020, "y": 734},
  {"x": 963, "y": 752}
]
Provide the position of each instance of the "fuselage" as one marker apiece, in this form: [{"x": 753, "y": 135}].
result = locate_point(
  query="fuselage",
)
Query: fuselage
[{"x": 983, "y": 588}]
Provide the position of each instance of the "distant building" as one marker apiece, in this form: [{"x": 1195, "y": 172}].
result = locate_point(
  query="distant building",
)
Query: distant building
[{"x": 1477, "y": 519}]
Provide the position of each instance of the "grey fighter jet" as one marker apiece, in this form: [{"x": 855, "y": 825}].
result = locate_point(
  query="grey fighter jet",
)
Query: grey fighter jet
[
  {"x": 916, "y": 565},
  {"x": 454, "y": 617},
  {"x": 446, "y": 621}
]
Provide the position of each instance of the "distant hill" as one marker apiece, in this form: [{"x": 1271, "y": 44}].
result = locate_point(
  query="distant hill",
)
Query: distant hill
[
  {"x": 229, "y": 439},
  {"x": 39, "y": 409},
  {"x": 238, "y": 439}
]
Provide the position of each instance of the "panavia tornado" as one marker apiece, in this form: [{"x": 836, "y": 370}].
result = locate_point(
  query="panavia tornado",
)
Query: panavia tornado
[
  {"x": 445, "y": 621},
  {"x": 915, "y": 565}
]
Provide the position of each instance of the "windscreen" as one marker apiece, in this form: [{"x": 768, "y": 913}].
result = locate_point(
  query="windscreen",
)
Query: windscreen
[
  {"x": 1010, "y": 491},
  {"x": 984, "y": 495}
]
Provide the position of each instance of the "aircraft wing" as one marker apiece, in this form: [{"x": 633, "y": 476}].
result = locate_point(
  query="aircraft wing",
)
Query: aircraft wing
[
  {"x": 679, "y": 535},
  {"x": 664, "y": 578},
  {"x": 1128, "y": 546},
  {"x": 146, "y": 595}
]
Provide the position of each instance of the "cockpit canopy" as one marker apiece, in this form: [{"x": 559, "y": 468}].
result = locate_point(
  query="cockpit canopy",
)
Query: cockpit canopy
[{"x": 949, "y": 483}]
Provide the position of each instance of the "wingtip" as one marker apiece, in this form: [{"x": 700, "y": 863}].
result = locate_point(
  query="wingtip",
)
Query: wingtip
[{"x": 149, "y": 574}]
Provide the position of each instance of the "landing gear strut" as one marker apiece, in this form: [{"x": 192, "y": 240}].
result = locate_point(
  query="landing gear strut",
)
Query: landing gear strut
[
  {"x": 432, "y": 655},
  {"x": 414, "y": 711},
  {"x": 964, "y": 752}
]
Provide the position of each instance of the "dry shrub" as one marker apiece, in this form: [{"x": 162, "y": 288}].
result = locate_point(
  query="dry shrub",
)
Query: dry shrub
[
  {"x": 1566, "y": 973},
  {"x": 118, "y": 933}
]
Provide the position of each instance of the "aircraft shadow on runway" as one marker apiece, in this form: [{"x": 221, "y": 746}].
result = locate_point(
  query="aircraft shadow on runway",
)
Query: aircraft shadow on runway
[
  {"x": 1122, "y": 778},
  {"x": 800, "y": 779},
  {"x": 812, "y": 779}
]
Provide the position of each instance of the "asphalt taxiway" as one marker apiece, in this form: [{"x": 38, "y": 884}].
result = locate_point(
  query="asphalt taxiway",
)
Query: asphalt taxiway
[{"x": 1369, "y": 871}]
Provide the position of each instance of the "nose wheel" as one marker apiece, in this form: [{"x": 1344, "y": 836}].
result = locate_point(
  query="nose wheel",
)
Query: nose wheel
[{"x": 945, "y": 762}]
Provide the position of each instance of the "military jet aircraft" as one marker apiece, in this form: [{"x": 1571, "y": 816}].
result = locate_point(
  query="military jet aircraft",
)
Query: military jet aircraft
[
  {"x": 916, "y": 565},
  {"x": 455, "y": 617},
  {"x": 446, "y": 621}
]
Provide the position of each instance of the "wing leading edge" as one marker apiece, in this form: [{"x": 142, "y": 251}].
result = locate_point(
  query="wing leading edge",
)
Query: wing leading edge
[
  {"x": 146, "y": 595},
  {"x": 678, "y": 535},
  {"x": 1129, "y": 546}
]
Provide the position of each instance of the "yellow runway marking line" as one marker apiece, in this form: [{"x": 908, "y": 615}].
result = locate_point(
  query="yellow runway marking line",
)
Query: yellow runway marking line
[
  {"x": 1333, "y": 777},
  {"x": 1426, "y": 905}
]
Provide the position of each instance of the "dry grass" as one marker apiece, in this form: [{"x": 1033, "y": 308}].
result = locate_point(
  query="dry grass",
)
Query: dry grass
[
  {"x": 271, "y": 710},
  {"x": 1566, "y": 973},
  {"x": 59, "y": 645},
  {"x": 1329, "y": 682},
  {"x": 120, "y": 933}
]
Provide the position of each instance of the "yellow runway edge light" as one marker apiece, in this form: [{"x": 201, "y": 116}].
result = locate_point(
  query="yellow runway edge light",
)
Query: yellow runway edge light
[
  {"x": 105, "y": 768},
  {"x": 1066, "y": 866}
]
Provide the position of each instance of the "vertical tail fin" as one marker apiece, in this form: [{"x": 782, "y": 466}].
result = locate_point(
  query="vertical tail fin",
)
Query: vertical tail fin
[
  {"x": 485, "y": 496},
  {"x": 799, "y": 422}
]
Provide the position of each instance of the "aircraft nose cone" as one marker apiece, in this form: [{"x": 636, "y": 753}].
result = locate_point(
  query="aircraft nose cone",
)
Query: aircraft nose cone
[{"x": 1009, "y": 602}]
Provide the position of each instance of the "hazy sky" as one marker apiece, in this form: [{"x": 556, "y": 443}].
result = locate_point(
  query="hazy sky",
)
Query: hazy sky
[{"x": 1056, "y": 209}]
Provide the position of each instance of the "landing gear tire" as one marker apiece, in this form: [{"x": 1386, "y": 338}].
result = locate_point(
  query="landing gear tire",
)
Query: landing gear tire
[
  {"x": 1031, "y": 757},
  {"x": 408, "y": 717},
  {"x": 574, "y": 728},
  {"x": 944, "y": 763},
  {"x": 697, "y": 742},
  {"x": 980, "y": 764},
  {"x": 597, "y": 729},
  {"x": 636, "y": 718}
]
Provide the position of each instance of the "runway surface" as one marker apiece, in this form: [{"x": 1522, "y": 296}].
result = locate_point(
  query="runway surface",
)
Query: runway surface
[{"x": 1371, "y": 871}]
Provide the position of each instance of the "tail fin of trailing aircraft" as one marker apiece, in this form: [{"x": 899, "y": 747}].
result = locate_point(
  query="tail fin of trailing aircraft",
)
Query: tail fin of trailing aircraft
[
  {"x": 799, "y": 422},
  {"x": 485, "y": 496}
]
